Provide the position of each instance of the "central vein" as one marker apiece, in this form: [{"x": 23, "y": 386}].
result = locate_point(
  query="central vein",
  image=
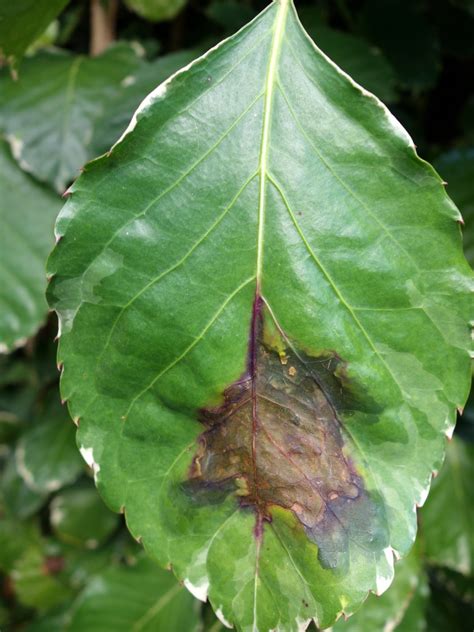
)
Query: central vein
[{"x": 270, "y": 83}]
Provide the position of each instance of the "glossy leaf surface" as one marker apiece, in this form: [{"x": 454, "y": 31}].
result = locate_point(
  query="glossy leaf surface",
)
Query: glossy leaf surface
[
  {"x": 264, "y": 308},
  {"x": 23, "y": 21},
  {"x": 27, "y": 214}
]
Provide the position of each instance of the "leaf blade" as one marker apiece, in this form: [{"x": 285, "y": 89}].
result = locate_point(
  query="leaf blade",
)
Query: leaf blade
[{"x": 197, "y": 242}]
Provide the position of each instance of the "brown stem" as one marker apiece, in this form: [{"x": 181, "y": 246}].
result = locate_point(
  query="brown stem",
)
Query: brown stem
[{"x": 103, "y": 19}]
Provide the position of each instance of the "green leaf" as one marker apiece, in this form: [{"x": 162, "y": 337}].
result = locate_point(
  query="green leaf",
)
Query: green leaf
[
  {"x": 37, "y": 579},
  {"x": 15, "y": 538},
  {"x": 457, "y": 167},
  {"x": 156, "y": 10},
  {"x": 53, "y": 621},
  {"x": 17, "y": 499},
  {"x": 46, "y": 455},
  {"x": 22, "y": 22},
  {"x": 264, "y": 307},
  {"x": 141, "y": 598},
  {"x": 70, "y": 94},
  {"x": 402, "y": 607},
  {"x": 79, "y": 516},
  {"x": 27, "y": 214},
  {"x": 448, "y": 515},
  {"x": 17, "y": 396}
]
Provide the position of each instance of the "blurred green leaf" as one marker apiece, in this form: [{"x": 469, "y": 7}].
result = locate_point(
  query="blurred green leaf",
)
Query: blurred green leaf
[
  {"x": 451, "y": 606},
  {"x": 141, "y": 597},
  {"x": 37, "y": 579},
  {"x": 27, "y": 214},
  {"x": 19, "y": 385},
  {"x": 15, "y": 538},
  {"x": 156, "y": 10},
  {"x": 70, "y": 94},
  {"x": 22, "y": 22},
  {"x": 18, "y": 499},
  {"x": 401, "y": 607},
  {"x": 407, "y": 39},
  {"x": 79, "y": 516},
  {"x": 360, "y": 59},
  {"x": 447, "y": 518},
  {"x": 46, "y": 455},
  {"x": 55, "y": 620},
  {"x": 457, "y": 168},
  {"x": 230, "y": 14}
]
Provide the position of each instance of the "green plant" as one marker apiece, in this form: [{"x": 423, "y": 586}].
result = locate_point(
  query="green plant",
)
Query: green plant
[{"x": 263, "y": 326}]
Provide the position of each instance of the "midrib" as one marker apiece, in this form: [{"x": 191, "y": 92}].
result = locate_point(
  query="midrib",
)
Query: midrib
[
  {"x": 270, "y": 82},
  {"x": 279, "y": 27}
]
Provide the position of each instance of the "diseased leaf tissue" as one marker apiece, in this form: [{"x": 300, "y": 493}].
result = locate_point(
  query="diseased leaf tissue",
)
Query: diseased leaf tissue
[{"x": 278, "y": 440}]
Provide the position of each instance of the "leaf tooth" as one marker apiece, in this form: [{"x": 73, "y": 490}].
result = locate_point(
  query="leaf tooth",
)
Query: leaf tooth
[
  {"x": 198, "y": 591},
  {"x": 220, "y": 615}
]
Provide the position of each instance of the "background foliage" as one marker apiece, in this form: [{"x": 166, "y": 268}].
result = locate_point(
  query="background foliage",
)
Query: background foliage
[{"x": 66, "y": 561}]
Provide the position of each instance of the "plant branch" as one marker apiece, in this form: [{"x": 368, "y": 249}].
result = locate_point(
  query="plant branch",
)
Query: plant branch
[{"x": 103, "y": 20}]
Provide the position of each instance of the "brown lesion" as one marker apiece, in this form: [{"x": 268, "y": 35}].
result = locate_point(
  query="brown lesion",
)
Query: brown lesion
[{"x": 277, "y": 440}]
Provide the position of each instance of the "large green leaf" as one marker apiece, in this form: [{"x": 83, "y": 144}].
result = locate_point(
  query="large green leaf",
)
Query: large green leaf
[
  {"x": 27, "y": 214},
  {"x": 69, "y": 95},
  {"x": 448, "y": 515},
  {"x": 264, "y": 306},
  {"x": 142, "y": 598},
  {"x": 23, "y": 21}
]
